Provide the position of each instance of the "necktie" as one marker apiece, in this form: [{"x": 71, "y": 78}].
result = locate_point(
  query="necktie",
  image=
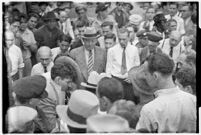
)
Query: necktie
[
  {"x": 171, "y": 51},
  {"x": 123, "y": 66},
  {"x": 45, "y": 69},
  {"x": 90, "y": 62}
]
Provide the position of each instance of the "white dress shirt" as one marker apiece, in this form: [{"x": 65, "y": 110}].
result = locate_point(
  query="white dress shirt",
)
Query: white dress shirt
[
  {"x": 15, "y": 55},
  {"x": 38, "y": 69},
  {"x": 172, "y": 111},
  {"x": 67, "y": 28},
  {"x": 114, "y": 59},
  {"x": 180, "y": 23},
  {"x": 177, "y": 50}
]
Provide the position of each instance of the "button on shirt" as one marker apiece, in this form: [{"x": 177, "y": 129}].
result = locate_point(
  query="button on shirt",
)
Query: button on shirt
[
  {"x": 180, "y": 22},
  {"x": 38, "y": 69},
  {"x": 114, "y": 59},
  {"x": 15, "y": 55},
  {"x": 172, "y": 111},
  {"x": 177, "y": 50}
]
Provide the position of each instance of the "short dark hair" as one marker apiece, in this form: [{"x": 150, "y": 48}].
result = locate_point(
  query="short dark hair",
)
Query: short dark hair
[
  {"x": 110, "y": 88},
  {"x": 66, "y": 38},
  {"x": 14, "y": 19},
  {"x": 110, "y": 36},
  {"x": 22, "y": 15},
  {"x": 80, "y": 24},
  {"x": 107, "y": 23},
  {"x": 186, "y": 76},
  {"x": 123, "y": 30},
  {"x": 33, "y": 15},
  {"x": 174, "y": 3},
  {"x": 160, "y": 62},
  {"x": 63, "y": 70}
]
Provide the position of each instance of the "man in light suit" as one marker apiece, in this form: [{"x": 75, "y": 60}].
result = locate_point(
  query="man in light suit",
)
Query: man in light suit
[{"x": 90, "y": 57}]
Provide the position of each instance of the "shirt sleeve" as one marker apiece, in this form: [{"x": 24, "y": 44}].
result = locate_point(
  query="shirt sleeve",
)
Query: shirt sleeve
[
  {"x": 20, "y": 62},
  {"x": 137, "y": 57},
  {"x": 181, "y": 27}
]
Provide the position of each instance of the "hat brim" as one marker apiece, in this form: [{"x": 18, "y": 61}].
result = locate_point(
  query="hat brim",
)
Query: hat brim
[
  {"x": 88, "y": 86},
  {"x": 95, "y": 36},
  {"x": 61, "y": 111},
  {"x": 132, "y": 74}
]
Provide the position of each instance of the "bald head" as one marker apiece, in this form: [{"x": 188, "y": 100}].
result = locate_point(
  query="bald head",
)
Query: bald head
[
  {"x": 44, "y": 54},
  {"x": 175, "y": 38},
  {"x": 62, "y": 16},
  {"x": 9, "y": 38}
]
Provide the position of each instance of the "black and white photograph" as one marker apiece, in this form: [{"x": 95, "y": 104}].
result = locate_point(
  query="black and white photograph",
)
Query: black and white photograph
[{"x": 99, "y": 67}]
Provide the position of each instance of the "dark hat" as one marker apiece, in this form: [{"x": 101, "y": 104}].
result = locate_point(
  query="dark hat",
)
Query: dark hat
[
  {"x": 50, "y": 16},
  {"x": 31, "y": 87},
  {"x": 159, "y": 18},
  {"x": 154, "y": 36},
  {"x": 137, "y": 77},
  {"x": 101, "y": 7},
  {"x": 141, "y": 33}
]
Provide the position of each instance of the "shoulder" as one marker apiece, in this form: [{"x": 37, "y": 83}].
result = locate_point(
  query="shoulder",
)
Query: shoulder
[
  {"x": 77, "y": 50},
  {"x": 38, "y": 65}
]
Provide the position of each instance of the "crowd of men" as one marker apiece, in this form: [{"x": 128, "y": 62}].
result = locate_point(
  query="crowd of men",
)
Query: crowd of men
[{"x": 116, "y": 70}]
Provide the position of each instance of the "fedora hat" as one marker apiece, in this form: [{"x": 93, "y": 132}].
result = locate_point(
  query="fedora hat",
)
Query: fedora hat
[
  {"x": 19, "y": 116},
  {"x": 107, "y": 123},
  {"x": 50, "y": 16},
  {"x": 90, "y": 33},
  {"x": 68, "y": 60},
  {"x": 93, "y": 79},
  {"x": 137, "y": 77},
  {"x": 135, "y": 19},
  {"x": 82, "y": 104}
]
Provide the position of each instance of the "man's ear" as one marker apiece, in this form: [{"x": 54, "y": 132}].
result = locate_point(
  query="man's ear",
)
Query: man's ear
[
  {"x": 188, "y": 89},
  {"x": 57, "y": 80}
]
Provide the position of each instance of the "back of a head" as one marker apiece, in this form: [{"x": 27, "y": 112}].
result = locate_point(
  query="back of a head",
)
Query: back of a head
[
  {"x": 110, "y": 88},
  {"x": 162, "y": 63},
  {"x": 127, "y": 110},
  {"x": 44, "y": 50}
]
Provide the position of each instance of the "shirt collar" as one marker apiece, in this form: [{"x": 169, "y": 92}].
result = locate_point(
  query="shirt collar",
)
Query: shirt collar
[{"x": 166, "y": 91}]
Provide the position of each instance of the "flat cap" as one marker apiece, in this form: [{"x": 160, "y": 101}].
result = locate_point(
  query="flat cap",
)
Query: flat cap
[
  {"x": 141, "y": 33},
  {"x": 30, "y": 87},
  {"x": 154, "y": 37}
]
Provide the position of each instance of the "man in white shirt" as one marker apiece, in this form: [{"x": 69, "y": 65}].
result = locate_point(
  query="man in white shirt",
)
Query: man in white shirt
[
  {"x": 173, "y": 8},
  {"x": 120, "y": 59},
  {"x": 172, "y": 110},
  {"x": 14, "y": 53},
  {"x": 45, "y": 64},
  {"x": 65, "y": 24},
  {"x": 173, "y": 46}
]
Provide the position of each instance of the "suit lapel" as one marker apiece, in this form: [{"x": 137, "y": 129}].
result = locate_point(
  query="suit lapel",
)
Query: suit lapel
[
  {"x": 83, "y": 65},
  {"x": 96, "y": 59}
]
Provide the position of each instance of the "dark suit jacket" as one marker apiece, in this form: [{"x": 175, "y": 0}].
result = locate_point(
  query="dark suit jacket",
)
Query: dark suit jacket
[{"x": 100, "y": 59}]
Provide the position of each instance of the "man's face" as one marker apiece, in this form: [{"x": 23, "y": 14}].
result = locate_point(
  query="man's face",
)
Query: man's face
[
  {"x": 151, "y": 80},
  {"x": 143, "y": 40},
  {"x": 23, "y": 26},
  {"x": 120, "y": 6},
  {"x": 63, "y": 17},
  {"x": 106, "y": 30},
  {"x": 81, "y": 31},
  {"x": 64, "y": 46},
  {"x": 174, "y": 40},
  {"x": 123, "y": 39},
  {"x": 45, "y": 58},
  {"x": 9, "y": 39},
  {"x": 15, "y": 27},
  {"x": 185, "y": 12},
  {"x": 82, "y": 14},
  {"x": 43, "y": 8},
  {"x": 173, "y": 9},
  {"x": 89, "y": 44},
  {"x": 150, "y": 13},
  {"x": 109, "y": 42},
  {"x": 131, "y": 33},
  {"x": 173, "y": 26},
  {"x": 51, "y": 24},
  {"x": 32, "y": 22},
  {"x": 152, "y": 46},
  {"x": 66, "y": 84}
]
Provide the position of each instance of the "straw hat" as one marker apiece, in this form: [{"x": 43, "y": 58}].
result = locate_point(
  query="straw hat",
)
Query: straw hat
[
  {"x": 82, "y": 104},
  {"x": 90, "y": 33}
]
